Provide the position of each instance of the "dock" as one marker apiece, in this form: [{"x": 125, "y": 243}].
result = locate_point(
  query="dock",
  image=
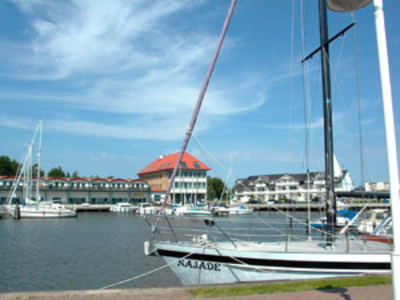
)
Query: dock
[
  {"x": 313, "y": 207},
  {"x": 91, "y": 207},
  {"x": 256, "y": 207}
]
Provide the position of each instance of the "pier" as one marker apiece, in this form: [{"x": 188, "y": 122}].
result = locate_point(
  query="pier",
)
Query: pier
[
  {"x": 91, "y": 207},
  {"x": 314, "y": 207},
  {"x": 256, "y": 207}
]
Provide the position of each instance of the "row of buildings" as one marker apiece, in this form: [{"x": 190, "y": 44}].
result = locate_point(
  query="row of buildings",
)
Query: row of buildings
[
  {"x": 190, "y": 185},
  {"x": 81, "y": 190},
  {"x": 296, "y": 187}
]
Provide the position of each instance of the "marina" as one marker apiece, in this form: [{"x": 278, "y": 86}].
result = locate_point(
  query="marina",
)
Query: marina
[
  {"x": 98, "y": 249},
  {"x": 173, "y": 227}
]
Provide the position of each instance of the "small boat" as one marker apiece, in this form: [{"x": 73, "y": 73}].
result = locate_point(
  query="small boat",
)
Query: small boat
[
  {"x": 191, "y": 211},
  {"x": 148, "y": 209},
  {"x": 3, "y": 213},
  {"x": 371, "y": 219},
  {"x": 383, "y": 233},
  {"x": 344, "y": 217},
  {"x": 220, "y": 210},
  {"x": 240, "y": 210},
  {"x": 124, "y": 207}
]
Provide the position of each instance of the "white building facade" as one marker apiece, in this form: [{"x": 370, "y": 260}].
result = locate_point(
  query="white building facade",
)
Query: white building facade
[
  {"x": 190, "y": 184},
  {"x": 296, "y": 187},
  {"x": 82, "y": 190}
]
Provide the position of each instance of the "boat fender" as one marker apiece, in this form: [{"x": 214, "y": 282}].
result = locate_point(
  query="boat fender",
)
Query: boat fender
[
  {"x": 209, "y": 222},
  {"x": 148, "y": 248},
  {"x": 204, "y": 239}
]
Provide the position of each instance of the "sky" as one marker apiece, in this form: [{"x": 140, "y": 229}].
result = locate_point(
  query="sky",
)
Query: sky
[{"x": 115, "y": 83}]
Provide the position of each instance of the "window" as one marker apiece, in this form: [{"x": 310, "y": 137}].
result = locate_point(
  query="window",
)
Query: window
[
  {"x": 183, "y": 164},
  {"x": 196, "y": 165}
]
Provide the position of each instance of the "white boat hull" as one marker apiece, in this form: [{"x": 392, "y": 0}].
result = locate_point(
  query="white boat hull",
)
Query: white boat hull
[
  {"x": 39, "y": 212},
  {"x": 124, "y": 208},
  {"x": 214, "y": 265}
]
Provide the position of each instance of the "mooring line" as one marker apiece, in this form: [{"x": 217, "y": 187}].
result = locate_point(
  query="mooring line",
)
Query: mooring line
[{"x": 149, "y": 272}]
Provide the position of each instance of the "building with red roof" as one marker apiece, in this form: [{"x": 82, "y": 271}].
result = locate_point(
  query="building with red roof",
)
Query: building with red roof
[{"x": 190, "y": 185}]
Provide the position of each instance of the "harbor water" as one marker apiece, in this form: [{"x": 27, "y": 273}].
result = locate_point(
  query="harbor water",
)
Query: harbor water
[{"x": 89, "y": 252}]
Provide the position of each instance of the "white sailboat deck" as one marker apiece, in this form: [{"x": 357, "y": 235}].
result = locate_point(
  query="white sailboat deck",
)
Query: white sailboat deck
[{"x": 255, "y": 235}]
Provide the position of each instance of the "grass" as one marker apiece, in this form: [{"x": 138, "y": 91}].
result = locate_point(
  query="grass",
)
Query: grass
[{"x": 296, "y": 286}]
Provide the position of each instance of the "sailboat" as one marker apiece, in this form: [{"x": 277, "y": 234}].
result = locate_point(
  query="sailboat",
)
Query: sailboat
[
  {"x": 33, "y": 208},
  {"x": 203, "y": 251}
]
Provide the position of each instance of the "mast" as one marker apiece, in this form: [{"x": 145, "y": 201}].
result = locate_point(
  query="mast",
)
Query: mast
[
  {"x": 390, "y": 141},
  {"x": 199, "y": 102},
  {"x": 330, "y": 204},
  {"x": 38, "y": 158}
]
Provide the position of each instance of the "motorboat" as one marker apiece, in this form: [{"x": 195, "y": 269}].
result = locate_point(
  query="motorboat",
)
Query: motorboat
[
  {"x": 240, "y": 210},
  {"x": 383, "y": 233},
  {"x": 343, "y": 218},
  {"x": 124, "y": 207},
  {"x": 220, "y": 210},
  {"x": 371, "y": 219},
  {"x": 191, "y": 211},
  {"x": 148, "y": 209}
]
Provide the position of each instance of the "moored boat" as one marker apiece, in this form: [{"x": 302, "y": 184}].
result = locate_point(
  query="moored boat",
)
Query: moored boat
[
  {"x": 205, "y": 252},
  {"x": 191, "y": 211},
  {"x": 124, "y": 207},
  {"x": 29, "y": 208}
]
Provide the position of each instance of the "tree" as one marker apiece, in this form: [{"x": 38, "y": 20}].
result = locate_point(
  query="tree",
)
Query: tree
[
  {"x": 8, "y": 167},
  {"x": 56, "y": 172},
  {"x": 215, "y": 188},
  {"x": 75, "y": 174},
  {"x": 34, "y": 171}
]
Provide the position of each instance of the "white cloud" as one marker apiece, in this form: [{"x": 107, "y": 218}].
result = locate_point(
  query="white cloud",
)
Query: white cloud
[
  {"x": 98, "y": 37},
  {"x": 18, "y": 123},
  {"x": 144, "y": 128}
]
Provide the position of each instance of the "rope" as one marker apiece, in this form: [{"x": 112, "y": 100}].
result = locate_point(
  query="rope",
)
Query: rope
[
  {"x": 148, "y": 273},
  {"x": 290, "y": 108},
  {"x": 357, "y": 73}
]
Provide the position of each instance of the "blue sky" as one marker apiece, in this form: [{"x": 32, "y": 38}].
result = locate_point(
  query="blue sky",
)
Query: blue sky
[{"x": 115, "y": 83}]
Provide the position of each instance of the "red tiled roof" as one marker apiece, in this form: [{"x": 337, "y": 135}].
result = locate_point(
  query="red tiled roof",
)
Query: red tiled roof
[
  {"x": 79, "y": 179},
  {"x": 158, "y": 191},
  {"x": 168, "y": 162}
]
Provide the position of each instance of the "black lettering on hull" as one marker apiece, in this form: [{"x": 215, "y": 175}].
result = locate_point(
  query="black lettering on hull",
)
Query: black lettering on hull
[{"x": 209, "y": 266}]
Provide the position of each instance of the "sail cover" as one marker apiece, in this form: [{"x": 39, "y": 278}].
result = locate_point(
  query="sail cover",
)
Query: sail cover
[{"x": 347, "y": 5}]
